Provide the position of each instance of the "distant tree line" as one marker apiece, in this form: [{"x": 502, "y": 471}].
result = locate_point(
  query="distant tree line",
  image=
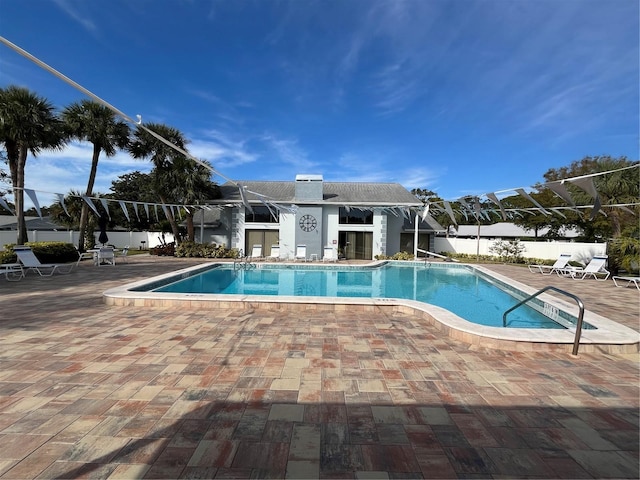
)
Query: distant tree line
[{"x": 616, "y": 223}]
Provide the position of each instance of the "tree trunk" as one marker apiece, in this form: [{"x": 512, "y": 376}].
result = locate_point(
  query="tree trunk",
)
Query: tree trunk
[
  {"x": 84, "y": 214},
  {"x": 19, "y": 196},
  {"x": 172, "y": 221},
  {"x": 191, "y": 233}
]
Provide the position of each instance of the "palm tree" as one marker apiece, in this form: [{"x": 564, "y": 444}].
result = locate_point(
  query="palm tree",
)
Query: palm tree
[
  {"x": 92, "y": 122},
  {"x": 28, "y": 123},
  {"x": 194, "y": 187},
  {"x": 166, "y": 161}
]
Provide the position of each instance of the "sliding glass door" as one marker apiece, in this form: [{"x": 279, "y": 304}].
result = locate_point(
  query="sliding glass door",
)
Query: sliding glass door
[
  {"x": 266, "y": 238},
  {"x": 356, "y": 245}
]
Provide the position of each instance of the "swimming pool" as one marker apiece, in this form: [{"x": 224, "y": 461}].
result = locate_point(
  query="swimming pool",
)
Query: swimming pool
[{"x": 457, "y": 288}]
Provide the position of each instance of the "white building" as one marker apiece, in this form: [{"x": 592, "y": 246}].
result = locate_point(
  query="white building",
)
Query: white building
[{"x": 359, "y": 220}]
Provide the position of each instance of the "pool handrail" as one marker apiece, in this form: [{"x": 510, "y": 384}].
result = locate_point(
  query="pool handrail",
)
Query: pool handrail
[{"x": 576, "y": 341}]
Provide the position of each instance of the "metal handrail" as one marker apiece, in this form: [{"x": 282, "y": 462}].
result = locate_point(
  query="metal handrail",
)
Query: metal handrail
[
  {"x": 427, "y": 252},
  {"x": 243, "y": 262},
  {"x": 576, "y": 341}
]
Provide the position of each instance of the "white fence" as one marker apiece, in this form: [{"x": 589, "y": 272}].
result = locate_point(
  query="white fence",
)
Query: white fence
[
  {"x": 118, "y": 239},
  {"x": 581, "y": 252}
]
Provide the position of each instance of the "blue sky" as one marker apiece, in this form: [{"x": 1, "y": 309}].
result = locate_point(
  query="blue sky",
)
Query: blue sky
[{"x": 457, "y": 96}]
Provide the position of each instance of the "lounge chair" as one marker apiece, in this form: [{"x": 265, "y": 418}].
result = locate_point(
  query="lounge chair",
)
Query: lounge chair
[
  {"x": 594, "y": 269},
  {"x": 12, "y": 271},
  {"x": 558, "y": 267},
  {"x": 329, "y": 254},
  {"x": 301, "y": 253},
  {"x": 275, "y": 253},
  {"x": 629, "y": 280},
  {"x": 30, "y": 262},
  {"x": 84, "y": 256},
  {"x": 256, "y": 252},
  {"x": 106, "y": 256}
]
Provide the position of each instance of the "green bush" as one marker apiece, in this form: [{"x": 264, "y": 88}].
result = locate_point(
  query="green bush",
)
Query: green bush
[
  {"x": 624, "y": 254},
  {"x": 168, "y": 250},
  {"x": 206, "y": 250},
  {"x": 396, "y": 256},
  {"x": 509, "y": 251},
  {"x": 46, "y": 252}
]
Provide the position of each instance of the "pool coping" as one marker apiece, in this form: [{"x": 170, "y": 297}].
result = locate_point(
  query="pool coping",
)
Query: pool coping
[{"x": 609, "y": 336}]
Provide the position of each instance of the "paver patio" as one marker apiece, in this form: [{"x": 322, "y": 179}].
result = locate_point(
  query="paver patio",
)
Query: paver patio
[{"x": 89, "y": 390}]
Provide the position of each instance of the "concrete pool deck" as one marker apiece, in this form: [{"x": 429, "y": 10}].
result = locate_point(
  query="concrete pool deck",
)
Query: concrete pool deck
[{"x": 99, "y": 391}]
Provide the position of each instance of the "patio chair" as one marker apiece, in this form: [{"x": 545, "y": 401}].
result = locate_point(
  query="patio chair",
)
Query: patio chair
[
  {"x": 594, "y": 269},
  {"x": 329, "y": 254},
  {"x": 275, "y": 253},
  {"x": 629, "y": 280},
  {"x": 123, "y": 253},
  {"x": 12, "y": 271},
  {"x": 29, "y": 261},
  {"x": 557, "y": 267},
  {"x": 256, "y": 252},
  {"x": 106, "y": 256},
  {"x": 301, "y": 253}
]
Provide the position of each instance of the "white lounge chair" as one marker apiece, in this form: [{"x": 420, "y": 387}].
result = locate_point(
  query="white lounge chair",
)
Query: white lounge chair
[
  {"x": 301, "y": 253},
  {"x": 275, "y": 253},
  {"x": 557, "y": 267},
  {"x": 12, "y": 271},
  {"x": 256, "y": 252},
  {"x": 329, "y": 254},
  {"x": 30, "y": 262},
  {"x": 629, "y": 280},
  {"x": 594, "y": 269},
  {"x": 84, "y": 256},
  {"x": 106, "y": 256}
]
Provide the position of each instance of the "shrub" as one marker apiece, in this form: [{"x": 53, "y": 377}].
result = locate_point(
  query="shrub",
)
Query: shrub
[
  {"x": 168, "y": 249},
  {"x": 46, "y": 252},
  {"x": 396, "y": 256},
  {"x": 206, "y": 250},
  {"x": 624, "y": 254},
  {"x": 508, "y": 251}
]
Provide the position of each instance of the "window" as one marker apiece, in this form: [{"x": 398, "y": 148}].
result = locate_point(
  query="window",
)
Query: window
[
  {"x": 406, "y": 242},
  {"x": 355, "y": 216},
  {"x": 261, "y": 214}
]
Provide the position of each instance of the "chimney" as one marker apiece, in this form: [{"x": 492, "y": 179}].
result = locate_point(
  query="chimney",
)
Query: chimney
[{"x": 309, "y": 188}]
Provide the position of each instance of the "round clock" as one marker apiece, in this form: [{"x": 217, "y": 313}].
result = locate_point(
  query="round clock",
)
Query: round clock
[{"x": 308, "y": 223}]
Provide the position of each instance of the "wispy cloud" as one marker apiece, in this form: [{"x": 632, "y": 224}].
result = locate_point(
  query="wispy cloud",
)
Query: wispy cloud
[
  {"x": 224, "y": 151},
  {"x": 61, "y": 171},
  {"x": 289, "y": 152},
  {"x": 82, "y": 18},
  {"x": 385, "y": 168}
]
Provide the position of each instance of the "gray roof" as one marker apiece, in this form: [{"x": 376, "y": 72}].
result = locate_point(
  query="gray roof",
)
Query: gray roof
[
  {"x": 428, "y": 224},
  {"x": 336, "y": 193},
  {"x": 9, "y": 222}
]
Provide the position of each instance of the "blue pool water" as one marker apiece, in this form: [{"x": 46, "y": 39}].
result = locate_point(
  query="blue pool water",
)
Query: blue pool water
[{"x": 459, "y": 289}]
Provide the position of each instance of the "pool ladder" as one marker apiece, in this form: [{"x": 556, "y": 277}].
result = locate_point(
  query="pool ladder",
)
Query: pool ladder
[
  {"x": 576, "y": 341},
  {"x": 243, "y": 263}
]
